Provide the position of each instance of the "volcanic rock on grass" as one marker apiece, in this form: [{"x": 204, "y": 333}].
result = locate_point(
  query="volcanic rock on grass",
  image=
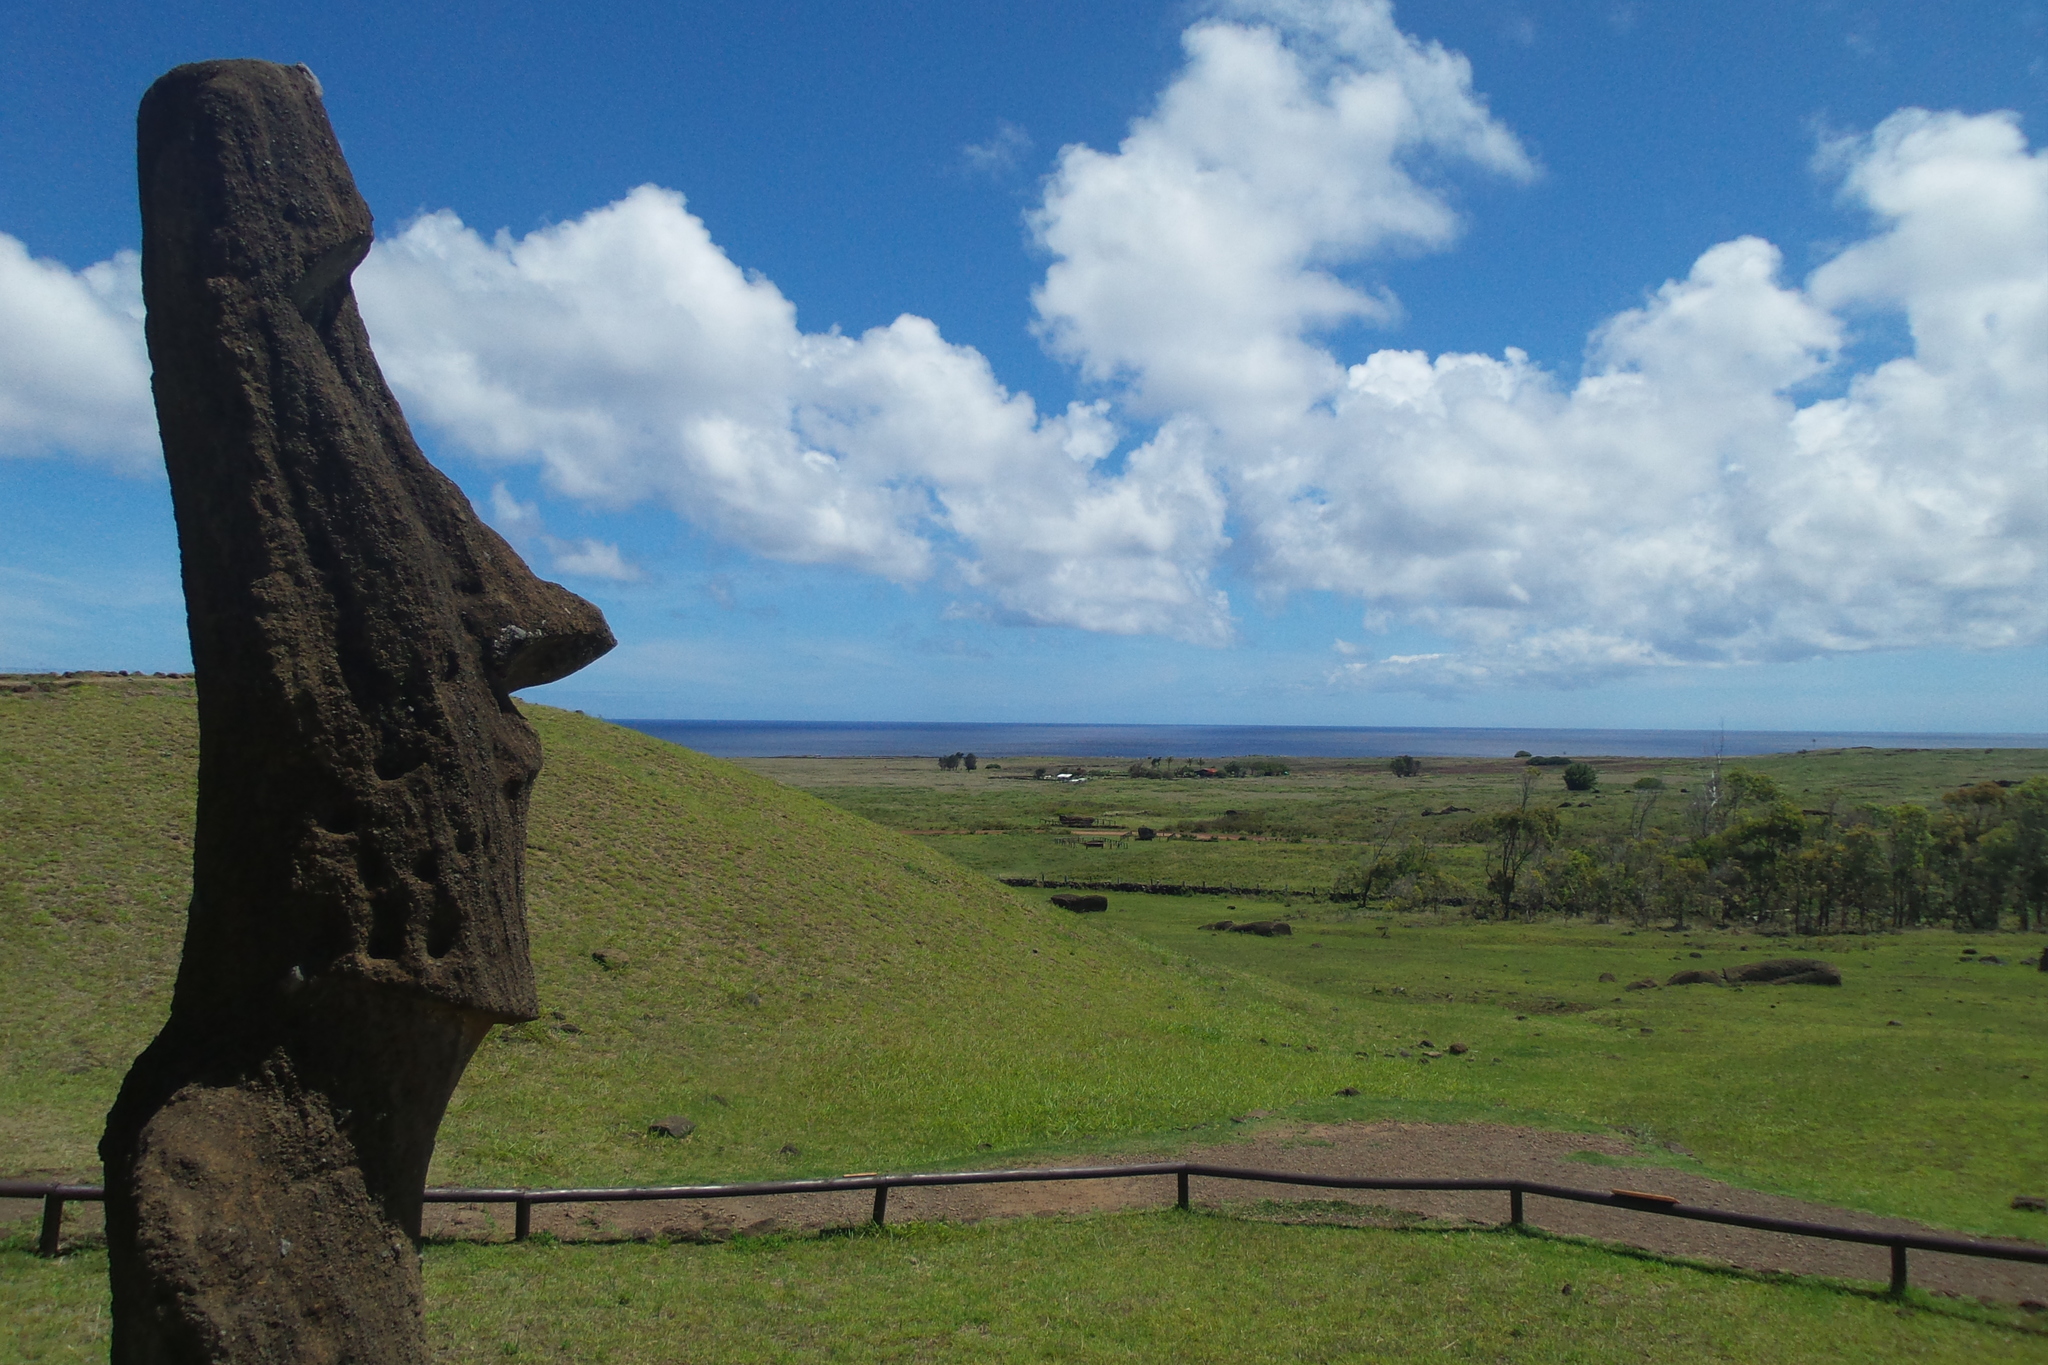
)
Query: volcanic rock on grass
[
  {"x": 357, "y": 922},
  {"x": 1648, "y": 983},
  {"x": 1694, "y": 977},
  {"x": 1264, "y": 928},
  {"x": 1219, "y": 924},
  {"x": 1785, "y": 971},
  {"x": 1081, "y": 905},
  {"x": 674, "y": 1126}
]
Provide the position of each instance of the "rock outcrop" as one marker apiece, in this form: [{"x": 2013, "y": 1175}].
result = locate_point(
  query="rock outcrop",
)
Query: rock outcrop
[
  {"x": 357, "y": 920},
  {"x": 1785, "y": 971}
]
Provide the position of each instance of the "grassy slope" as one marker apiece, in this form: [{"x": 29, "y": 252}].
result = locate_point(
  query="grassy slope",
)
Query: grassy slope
[{"x": 840, "y": 989}]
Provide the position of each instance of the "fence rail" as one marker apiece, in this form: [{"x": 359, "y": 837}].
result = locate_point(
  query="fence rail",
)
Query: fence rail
[{"x": 55, "y": 1196}]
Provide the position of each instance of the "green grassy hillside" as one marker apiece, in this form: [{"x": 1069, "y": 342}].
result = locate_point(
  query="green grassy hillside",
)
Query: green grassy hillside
[{"x": 793, "y": 976}]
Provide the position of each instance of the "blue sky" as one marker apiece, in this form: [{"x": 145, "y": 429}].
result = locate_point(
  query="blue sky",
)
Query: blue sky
[{"x": 1290, "y": 361}]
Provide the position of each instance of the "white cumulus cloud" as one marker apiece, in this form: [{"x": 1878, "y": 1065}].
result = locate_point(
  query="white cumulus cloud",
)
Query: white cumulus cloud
[
  {"x": 632, "y": 359},
  {"x": 74, "y": 377},
  {"x": 523, "y": 525}
]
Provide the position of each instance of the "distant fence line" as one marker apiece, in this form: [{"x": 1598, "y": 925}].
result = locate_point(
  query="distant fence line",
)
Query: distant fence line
[
  {"x": 55, "y": 1195},
  {"x": 1178, "y": 888}
]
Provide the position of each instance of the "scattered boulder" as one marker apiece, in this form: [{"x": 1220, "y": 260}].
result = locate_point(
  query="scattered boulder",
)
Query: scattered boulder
[
  {"x": 674, "y": 1126},
  {"x": 1648, "y": 983},
  {"x": 1786, "y": 971},
  {"x": 611, "y": 959},
  {"x": 1081, "y": 905},
  {"x": 2033, "y": 1203},
  {"x": 1146, "y": 833},
  {"x": 1349, "y": 1090},
  {"x": 1459, "y": 1049},
  {"x": 1694, "y": 977},
  {"x": 1220, "y": 924},
  {"x": 1264, "y": 928},
  {"x": 1609, "y": 976}
]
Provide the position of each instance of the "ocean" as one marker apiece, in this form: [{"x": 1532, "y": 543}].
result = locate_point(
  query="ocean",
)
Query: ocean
[{"x": 863, "y": 739}]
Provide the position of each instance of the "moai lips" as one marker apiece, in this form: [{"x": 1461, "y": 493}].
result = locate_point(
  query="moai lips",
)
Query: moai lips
[{"x": 357, "y": 919}]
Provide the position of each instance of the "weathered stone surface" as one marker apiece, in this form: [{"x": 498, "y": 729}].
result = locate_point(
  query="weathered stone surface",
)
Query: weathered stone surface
[
  {"x": 1786, "y": 971},
  {"x": 1079, "y": 904},
  {"x": 357, "y": 920},
  {"x": 1694, "y": 976}
]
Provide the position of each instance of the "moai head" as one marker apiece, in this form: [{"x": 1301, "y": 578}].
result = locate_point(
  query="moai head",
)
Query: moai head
[{"x": 357, "y": 918}]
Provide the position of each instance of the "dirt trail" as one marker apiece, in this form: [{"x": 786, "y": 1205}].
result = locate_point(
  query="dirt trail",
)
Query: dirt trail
[{"x": 1387, "y": 1149}]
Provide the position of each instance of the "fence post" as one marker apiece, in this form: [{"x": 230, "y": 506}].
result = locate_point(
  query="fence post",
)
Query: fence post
[
  {"x": 881, "y": 1203},
  {"x": 1183, "y": 1189},
  {"x": 1515, "y": 1206},
  {"x": 522, "y": 1219},
  {"x": 53, "y": 1224},
  {"x": 1898, "y": 1269}
]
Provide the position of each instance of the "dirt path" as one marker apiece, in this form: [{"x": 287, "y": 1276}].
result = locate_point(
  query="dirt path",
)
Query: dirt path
[{"x": 1385, "y": 1149}]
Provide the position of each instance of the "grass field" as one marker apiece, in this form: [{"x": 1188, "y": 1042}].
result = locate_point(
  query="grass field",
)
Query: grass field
[
  {"x": 1803, "y": 1090},
  {"x": 822, "y": 994},
  {"x": 1146, "y": 1287},
  {"x": 1303, "y": 830}
]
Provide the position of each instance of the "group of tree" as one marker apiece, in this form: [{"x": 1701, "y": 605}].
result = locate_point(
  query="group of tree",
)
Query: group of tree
[
  {"x": 1255, "y": 765},
  {"x": 1746, "y": 852},
  {"x": 958, "y": 760}
]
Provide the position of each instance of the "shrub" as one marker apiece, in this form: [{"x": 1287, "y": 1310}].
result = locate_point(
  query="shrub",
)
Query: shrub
[
  {"x": 1404, "y": 766},
  {"x": 1649, "y": 784},
  {"x": 1522, "y": 753},
  {"x": 1581, "y": 777}
]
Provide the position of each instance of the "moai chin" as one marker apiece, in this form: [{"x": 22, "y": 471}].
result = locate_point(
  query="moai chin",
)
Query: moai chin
[{"x": 357, "y": 920}]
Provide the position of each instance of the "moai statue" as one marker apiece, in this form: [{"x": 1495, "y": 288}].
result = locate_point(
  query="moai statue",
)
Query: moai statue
[{"x": 357, "y": 920}]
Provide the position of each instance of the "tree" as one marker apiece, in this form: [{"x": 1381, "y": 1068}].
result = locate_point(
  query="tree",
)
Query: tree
[
  {"x": 951, "y": 761},
  {"x": 1512, "y": 838},
  {"x": 2029, "y": 815},
  {"x": 1976, "y": 882},
  {"x": 1759, "y": 844},
  {"x": 1641, "y": 805},
  {"x": 1383, "y": 864},
  {"x": 967, "y": 762},
  {"x": 1404, "y": 766},
  {"x": 1909, "y": 857},
  {"x": 1581, "y": 777}
]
